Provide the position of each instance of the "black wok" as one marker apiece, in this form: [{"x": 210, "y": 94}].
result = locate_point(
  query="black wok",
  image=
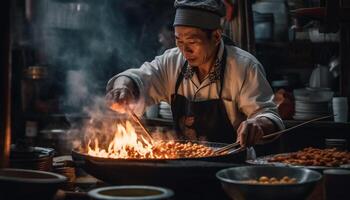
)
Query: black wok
[
  {"x": 236, "y": 157},
  {"x": 186, "y": 176}
]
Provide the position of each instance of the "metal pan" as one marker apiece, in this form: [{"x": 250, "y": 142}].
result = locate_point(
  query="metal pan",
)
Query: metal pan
[
  {"x": 234, "y": 182},
  {"x": 195, "y": 174},
  {"x": 264, "y": 160}
]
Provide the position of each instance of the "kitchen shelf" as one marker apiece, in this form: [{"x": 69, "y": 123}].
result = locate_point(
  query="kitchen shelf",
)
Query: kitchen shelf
[
  {"x": 295, "y": 44},
  {"x": 297, "y": 54}
]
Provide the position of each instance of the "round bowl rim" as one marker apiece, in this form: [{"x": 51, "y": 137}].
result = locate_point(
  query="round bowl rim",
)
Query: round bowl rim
[
  {"x": 56, "y": 178},
  {"x": 166, "y": 193},
  {"x": 227, "y": 180}
]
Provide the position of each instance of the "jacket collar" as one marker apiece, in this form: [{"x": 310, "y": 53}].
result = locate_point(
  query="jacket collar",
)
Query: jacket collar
[{"x": 214, "y": 74}]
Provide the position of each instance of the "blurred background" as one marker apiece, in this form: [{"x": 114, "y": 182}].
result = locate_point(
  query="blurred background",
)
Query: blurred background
[{"x": 63, "y": 52}]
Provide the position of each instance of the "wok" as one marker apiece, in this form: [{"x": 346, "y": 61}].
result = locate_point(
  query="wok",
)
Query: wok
[
  {"x": 238, "y": 156},
  {"x": 232, "y": 180},
  {"x": 195, "y": 175}
]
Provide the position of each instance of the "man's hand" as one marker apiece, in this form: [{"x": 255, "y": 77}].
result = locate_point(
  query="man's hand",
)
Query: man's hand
[
  {"x": 123, "y": 93},
  {"x": 251, "y": 131}
]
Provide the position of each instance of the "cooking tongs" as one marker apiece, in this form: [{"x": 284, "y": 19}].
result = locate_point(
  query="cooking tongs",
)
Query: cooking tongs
[
  {"x": 138, "y": 121},
  {"x": 232, "y": 146}
]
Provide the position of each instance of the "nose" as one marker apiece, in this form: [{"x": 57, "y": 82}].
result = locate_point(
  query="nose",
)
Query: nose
[{"x": 187, "y": 50}]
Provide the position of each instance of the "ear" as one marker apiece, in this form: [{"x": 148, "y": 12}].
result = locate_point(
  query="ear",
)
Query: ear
[{"x": 217, "y": 36}]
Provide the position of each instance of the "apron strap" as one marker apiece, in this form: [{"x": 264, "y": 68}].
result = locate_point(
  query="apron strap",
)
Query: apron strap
[
  {"x": 180, "y": 77},
  {"x": 222, "y": 71}
]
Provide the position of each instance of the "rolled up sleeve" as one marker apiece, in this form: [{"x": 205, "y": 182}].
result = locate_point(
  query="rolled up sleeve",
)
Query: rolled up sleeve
[{"x": 152, "y": 80}]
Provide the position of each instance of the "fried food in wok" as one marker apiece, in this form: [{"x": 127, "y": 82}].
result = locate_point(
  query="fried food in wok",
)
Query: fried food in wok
[
  {"x": 160, "y": 150},
  {"x": 181, "y": 150},
  {"x": 314, "y": 157}
]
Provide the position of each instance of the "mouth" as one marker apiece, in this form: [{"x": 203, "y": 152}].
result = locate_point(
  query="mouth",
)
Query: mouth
[{"x": 191, "y": 59}]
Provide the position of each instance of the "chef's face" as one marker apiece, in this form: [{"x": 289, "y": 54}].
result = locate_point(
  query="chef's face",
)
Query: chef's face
[{"x": 196, "y": 45}]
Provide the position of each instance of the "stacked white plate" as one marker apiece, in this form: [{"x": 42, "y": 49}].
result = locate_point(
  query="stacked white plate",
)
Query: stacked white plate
[
  {"x": 308, "y": 110},
  {"x": 311, "y": 103},
  {"x": 165, "y": 110}
]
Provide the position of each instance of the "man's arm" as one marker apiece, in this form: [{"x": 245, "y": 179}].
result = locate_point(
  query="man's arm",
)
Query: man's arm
[
  {"x": 144, "y": 86},
  {"x": 255, "y": 101}
]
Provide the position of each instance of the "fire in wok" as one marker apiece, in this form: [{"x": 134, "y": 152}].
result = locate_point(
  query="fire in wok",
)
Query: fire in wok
[{"x": 127, "y": 144}]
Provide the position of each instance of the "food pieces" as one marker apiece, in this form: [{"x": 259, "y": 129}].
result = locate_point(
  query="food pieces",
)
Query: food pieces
[
  {"x": 171, "y": 149},
  {"x": 314, "y": 157},
  {"x": 272, "y": 180},
  {"x": 161, "y": 150}
]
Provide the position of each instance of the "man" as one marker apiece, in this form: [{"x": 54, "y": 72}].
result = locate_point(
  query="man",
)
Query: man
[{"x": 217, "y": 92}]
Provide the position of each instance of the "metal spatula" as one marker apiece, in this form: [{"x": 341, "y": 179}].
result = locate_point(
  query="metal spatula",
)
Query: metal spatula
[
  {"x": 278, "y": 133},
  {"x": 138, "y": 121}
]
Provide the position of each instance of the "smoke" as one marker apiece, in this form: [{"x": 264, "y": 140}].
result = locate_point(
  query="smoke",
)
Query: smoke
[
  {"x": 161, "y": 134},
  {"x": 85, "y": 43},
  {"x": 76, "y": 87}
]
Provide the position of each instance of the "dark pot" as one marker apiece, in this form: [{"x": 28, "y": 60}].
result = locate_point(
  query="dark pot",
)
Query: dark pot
[
  {"x": 28, "y": 184},
  {"x": 34, "y": 158}
]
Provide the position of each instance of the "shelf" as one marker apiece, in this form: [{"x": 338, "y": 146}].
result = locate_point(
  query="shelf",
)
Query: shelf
[
  {"x": 295, "y": 44},
  {"x": 298, "y": 54}
]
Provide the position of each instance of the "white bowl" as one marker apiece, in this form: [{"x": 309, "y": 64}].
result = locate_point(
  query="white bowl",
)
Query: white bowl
[{"x": 131, "y": 192}]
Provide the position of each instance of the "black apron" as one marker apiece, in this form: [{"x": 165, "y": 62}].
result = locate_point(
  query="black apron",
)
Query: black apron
[{"x": 203, "y": 119}]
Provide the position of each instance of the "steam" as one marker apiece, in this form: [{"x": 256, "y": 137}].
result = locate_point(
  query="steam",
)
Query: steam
[
  {"x": 86, "y": 43},
  {"x": 76, "y": 87}
]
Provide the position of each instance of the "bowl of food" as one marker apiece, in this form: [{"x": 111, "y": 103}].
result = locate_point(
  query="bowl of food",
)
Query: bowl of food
[
  {"x": 310, "y": 157},
  {"x": 29, "y": 184},
  {"x": 268, "y": 182},
  {"x": 128, "y": 192}
]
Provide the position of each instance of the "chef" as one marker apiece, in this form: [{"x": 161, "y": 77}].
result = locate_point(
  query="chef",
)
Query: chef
[{"x": 217, "y": 92}]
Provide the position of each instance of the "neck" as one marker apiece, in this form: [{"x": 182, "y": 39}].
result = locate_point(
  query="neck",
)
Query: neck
[{"x": 204, "y": 69}]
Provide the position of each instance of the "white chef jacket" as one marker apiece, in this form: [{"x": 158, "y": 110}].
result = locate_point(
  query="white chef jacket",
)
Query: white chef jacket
[{"x": 246, "y": 92}]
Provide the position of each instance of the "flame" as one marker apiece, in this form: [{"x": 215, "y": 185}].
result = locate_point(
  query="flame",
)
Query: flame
[{"x": 126, "y": 143}]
